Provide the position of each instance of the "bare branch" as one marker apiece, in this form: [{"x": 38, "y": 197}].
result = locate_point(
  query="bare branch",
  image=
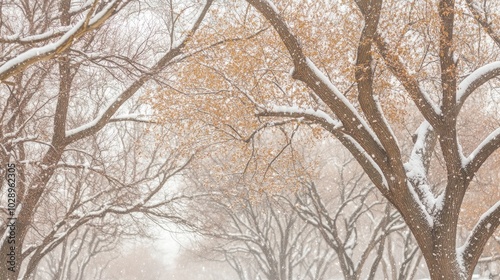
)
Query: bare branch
[
  {"x": 104, "y": 117},
  {"x": 425, "y": 105},
  {"x": 365, "y": 78}
]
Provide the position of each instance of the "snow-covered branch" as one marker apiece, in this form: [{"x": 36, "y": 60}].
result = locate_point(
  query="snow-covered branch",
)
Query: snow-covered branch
[
  {"x": 482, "y": 152},
  {"x": 309, "y": 114},
  {"x": 482, "y": 231},
  {"x": 418, "y": 164},
  {"x": 484, "y": 19},
  {"x": 306, "y": 71},
  {"x": 17, "y": 38},
  {"x": 103, "y": 118},
  {"x": 334, "y": 126},
  {"x": 31, "y": 56},
  {"x": 476, "y": 79},
  {"x": 343, "y": 99},
  {"x": 131, "y": 118}
]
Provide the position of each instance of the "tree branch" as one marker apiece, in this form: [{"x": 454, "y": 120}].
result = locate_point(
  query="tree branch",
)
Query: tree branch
[
  {"x": 424, "y": 104},
  {"x": 104, "y": 117},
  {"x": 488, "y": 26},
  {"x": 483, "y": 230},
  {"x": 483, "y": 151},
  {"x": 307, "y": 72},
  {"x": 34, "y": 55},
  {"x": 476, "y": 79},
  {"x": 365, "y": 77}
]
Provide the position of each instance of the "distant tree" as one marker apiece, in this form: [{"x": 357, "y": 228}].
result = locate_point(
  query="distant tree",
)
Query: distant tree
[
  {"x": 259, "y": 238},
  {"x": 301, "y": 231},
  {"x": 357, "y": 225},
  {"x": 74, "y": 258}
]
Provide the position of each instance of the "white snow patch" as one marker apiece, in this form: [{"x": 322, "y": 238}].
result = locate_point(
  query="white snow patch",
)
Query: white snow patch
[
  {"x": 473, "y": 77},
  {"x": 427, "y": 99},
  {"x": 316, "y": 113},
  {"x": 417, "y": 175},
  {"x": 272, "y": 6},
  {"x": 428, "y": 217},
  {"x": 78, "y": 8}
]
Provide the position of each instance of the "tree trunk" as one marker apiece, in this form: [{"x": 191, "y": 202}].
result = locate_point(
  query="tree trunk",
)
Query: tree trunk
[
  {"x": 445, "y": 268},
  {"x": 443, "y": 262}
]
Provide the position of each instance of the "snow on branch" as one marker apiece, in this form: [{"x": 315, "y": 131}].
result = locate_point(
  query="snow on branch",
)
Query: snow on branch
[
  {"x": 484, "y": 20},
  {"x": 105, "y": 115},
  {"x": 342, "y": 98},
  {"x": 131, "y": 118},
  {"x": 16, "y": 38},
  {"x": 305, "y": 70},
  {"x": 370, "y": 165},
  {"x": 417, "y": 165},
  {"x": 489, "y": 145},
  {"x": 310, "y": 114},
  {"x": 482, "y": 231},
  {"x": 476, "y": 79},
  {"x": 31, "y": 56}
]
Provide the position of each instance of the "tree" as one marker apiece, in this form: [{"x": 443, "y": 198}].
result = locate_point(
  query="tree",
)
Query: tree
[
  {"x": 73, "y": 259},
  {"x": 357, "y": 225},
  {"x": 332, "y": 222},
  {"x": 72, "y": 125},
  {"x": 403, "y": 176},
  {"x": 252, "y": 73},
  {"x": 241, "y": 220},
  {"x": 258, "y": 236}
]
